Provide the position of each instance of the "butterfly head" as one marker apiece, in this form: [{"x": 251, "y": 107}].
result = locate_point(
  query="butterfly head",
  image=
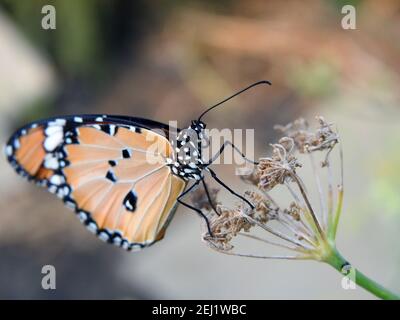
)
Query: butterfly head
[
  {"x": 198, "y": 126},
  {"x": 187, "y": 159}
]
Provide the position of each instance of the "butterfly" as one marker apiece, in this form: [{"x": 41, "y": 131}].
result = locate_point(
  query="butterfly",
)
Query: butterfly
[{"x": 123, "y": 176}]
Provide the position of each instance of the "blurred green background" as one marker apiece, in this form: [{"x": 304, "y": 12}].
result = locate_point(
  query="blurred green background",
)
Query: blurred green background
[{"x": 155, "y": 59}]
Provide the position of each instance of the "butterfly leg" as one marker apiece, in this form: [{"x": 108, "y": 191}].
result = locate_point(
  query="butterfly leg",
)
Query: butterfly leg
[
  {"x": 209, "y": 197},
  {"x": 179, "y": 199},
  {"x": 214, "y": 175},
  {"x": 229, "y": 143}
]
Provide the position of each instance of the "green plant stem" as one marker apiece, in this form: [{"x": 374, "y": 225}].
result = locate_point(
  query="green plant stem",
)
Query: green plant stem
[
  {"x": 332, "y": 228},
  {"x": 336, "y": 260}
]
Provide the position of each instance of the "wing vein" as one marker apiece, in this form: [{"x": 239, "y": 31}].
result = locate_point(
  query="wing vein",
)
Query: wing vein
[{"x": 147, "y": 208}]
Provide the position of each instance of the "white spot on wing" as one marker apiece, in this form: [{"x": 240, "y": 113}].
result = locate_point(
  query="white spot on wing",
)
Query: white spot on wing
[
  {"x": 70, "y": 204},
  {"x": 56, "y": 179},
  {"x": 66, "y": 190},
  {"x": 117, "y": 241},
  {"x": 60, "y": 193},
  {"x": 112, "y": 129},
  {"x": 128, "y": 205},
  {"x": 16, "y": 144},
  {"x": 82, "y": 216},
  {"x": 54, "y": 137},
  {"x": 104, "y": 236},
  {"x": 92, "y": 227},
  {"x": 52, "y": 142},
  {"x": 136, "y": 247},
  {"x": 53, "y": 129},
  {"x": 57, "y": 122},
  {"x": 9, "y": 150},
  {"x": 125, "y": 245}
]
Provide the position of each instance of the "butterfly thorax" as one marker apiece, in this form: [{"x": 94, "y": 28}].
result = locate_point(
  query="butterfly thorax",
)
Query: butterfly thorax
[{"x": 187, "y": 160}]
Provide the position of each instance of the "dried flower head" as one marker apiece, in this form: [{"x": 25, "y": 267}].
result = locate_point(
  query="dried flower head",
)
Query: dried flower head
[
  {"x": 307, "y": 141},
  {"x": 297, "y": 226},
  {"x": 294, "y": 211},
  {"x": 263, "y": 208},
  {"x": 298, "y": 131},
  {"x": 278, "y": 168},
  {"x": 225, "y": 226}
]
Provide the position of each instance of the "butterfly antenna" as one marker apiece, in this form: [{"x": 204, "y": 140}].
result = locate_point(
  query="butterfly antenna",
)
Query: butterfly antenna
[{"x": 234, "y": 95}]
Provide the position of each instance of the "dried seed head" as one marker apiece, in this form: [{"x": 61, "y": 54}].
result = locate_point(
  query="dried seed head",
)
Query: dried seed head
[
  {"x": 226, "y": 226},
  {"x": 294, "y": 211},
  {"x": 287, "y": 143},
  {"x": 230, "y": 222},
  {"x": 325, "y": 137},
  {"x": 263, "y": 209},
  {"x": 278, "y": 168},
  {"x": 298, "y": 131},
  {"x": 307, "y": 141}
]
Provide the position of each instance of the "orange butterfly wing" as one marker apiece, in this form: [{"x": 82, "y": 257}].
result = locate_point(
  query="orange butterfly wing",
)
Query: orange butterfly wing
[{"x": 115, "y": 176}]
